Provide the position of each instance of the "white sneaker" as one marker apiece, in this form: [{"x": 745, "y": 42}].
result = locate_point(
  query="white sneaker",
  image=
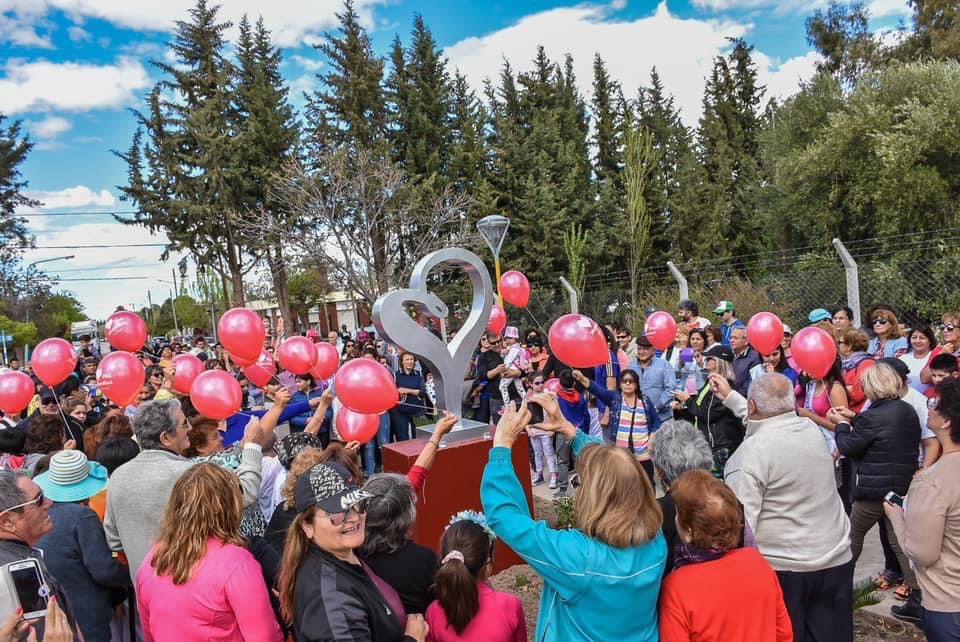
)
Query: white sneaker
[{"x": 553, "y": 480}]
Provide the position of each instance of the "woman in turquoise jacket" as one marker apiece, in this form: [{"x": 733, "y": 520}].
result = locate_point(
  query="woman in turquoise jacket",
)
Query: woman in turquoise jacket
[{"x": 601, "y": 578}]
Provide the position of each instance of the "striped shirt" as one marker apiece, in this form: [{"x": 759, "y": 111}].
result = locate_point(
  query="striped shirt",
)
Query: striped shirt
[{"x": 632, "y": 432}]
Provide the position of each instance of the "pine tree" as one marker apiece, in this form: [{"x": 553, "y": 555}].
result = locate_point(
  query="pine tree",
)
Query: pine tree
[
  {"x": 608, "y": 135},
  {"x": 190, "y": 185},
  {"x": 14, "y": 149},
  {"x": 467, "y": 167}
]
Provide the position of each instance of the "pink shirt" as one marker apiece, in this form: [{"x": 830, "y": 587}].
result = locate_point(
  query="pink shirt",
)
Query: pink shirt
[
  {"x": 500, "y": 619},
  {"x": 226, "y": 600}
]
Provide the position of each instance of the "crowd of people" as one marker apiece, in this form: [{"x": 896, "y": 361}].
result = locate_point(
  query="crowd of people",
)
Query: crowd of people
[{"x": 153, "y": 522}]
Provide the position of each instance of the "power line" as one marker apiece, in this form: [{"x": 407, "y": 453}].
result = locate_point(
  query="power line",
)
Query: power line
[
  {"x": 99, "y": 268},
  {"x": 110, "y": 278},
  {"x": 84, "y": 247},
  {"x": 75, "y": 213}
]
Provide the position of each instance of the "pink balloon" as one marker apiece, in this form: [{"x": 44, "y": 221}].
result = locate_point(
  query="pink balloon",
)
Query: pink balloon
[
  {"x": 261, "y": 372},
  {"x": 661, "y": 330},
  {"x": 498, "y": 319},
  {"x": 16, "y": 391},
  {"x": 814, "y": 350},
  {"x": 765, "y": 332},
  {"x": 356, "y": 426},
  {"x": 515, "y": 288},
  {"x": 328, "y": 360},
  {"x": 365, "y": 386},
  {"x": 243, "y": 362},
  {"x": 53, "y": 360},
  {"x": 297, "y": 354},
  {"x": 186, "y": 368},
  {"x": 552, "y": 385},
  {"x": 578, "y": 341},
  {"x": 126, "y": 331},
  {"x": 216, "y": 394},
  {"x": 120, "y": 376},
  {"x": 241, "y": 332}
]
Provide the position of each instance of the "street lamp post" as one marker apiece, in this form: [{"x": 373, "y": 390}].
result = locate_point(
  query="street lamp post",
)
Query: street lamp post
[
  {"x": 30, "y": 265},
  {"x": 173, "y": 306},
  {"x": 493, "y": 229}
]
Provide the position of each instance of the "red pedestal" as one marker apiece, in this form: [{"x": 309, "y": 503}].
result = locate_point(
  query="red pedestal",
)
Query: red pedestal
[{"x": 454, "y": 485}]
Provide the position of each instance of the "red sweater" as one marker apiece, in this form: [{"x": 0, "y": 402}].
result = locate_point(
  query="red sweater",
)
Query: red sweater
[{"x": 736, "y": 597}]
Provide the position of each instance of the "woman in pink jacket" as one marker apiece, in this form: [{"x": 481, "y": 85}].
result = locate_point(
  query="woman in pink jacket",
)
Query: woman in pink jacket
[{"x": 199, "y": 583}]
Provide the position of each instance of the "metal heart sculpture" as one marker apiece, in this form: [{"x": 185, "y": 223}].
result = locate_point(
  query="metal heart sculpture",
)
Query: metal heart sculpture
[{"x": 447, "y": 362}]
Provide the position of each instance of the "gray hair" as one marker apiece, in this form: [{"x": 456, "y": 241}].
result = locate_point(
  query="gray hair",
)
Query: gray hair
[
  {"x": 390, "y": 514},
  {"x": 154, "y": 418},
  {"x": 773, "y": 394},
  {"x": 679, "y": 447},
  {"x": 10, "y": 493}
]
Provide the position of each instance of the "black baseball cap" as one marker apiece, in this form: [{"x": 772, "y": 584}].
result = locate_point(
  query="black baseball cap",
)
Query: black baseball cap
[
  {"x": 329, "y": 486},
  {"x": 643, "y": 342},
  {"x": 719, "y": 351},
  {"x": 902, "y": 369}
]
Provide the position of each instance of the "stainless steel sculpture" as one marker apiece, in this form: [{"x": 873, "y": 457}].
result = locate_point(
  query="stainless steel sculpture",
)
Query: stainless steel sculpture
[{"x": 447, "y": 362}]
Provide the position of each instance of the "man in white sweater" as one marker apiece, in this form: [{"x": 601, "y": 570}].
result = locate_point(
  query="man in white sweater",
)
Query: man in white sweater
[{"x": 784, "y": 477}]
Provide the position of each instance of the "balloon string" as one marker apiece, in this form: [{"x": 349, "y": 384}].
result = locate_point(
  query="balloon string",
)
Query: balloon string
[{"x": 66, "y": 424}]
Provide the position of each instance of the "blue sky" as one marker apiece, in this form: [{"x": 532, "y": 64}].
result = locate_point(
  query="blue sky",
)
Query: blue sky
[{"x": 71, "y": 69}]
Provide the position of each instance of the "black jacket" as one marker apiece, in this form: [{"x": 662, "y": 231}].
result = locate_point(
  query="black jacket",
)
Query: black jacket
[
  {"x": 720, "y": 426},
  {"x": 410, "y": 571},
  {"x": 884, "y": 443},
  {"x": 335, "y": 601}
]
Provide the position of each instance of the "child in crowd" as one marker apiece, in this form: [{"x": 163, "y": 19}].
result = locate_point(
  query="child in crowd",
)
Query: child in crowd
[
  {"x": 515, "y": 357},
  {"x": 12, "y": 440},
  {"x": 541, "y": 441},
  {"x": 467, "y": 609},
  {"x": 941, "y": 366}
]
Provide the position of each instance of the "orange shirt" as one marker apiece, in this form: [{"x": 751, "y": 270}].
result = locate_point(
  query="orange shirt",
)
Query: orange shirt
[{"x": 99, "y": 504}]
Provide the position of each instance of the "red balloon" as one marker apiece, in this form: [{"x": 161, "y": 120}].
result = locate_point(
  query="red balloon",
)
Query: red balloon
[
  {"x": 365, "y": 386},
  {"x": 328, "y": 360},
  {"x": 243, "y": 362},
  {"x": 578, "y": 341},
  {"x": 552, "y": 385},
  {"x": 216, "y": 394},
  {"x": 814, "y": 350},
  {"x": 241, "y": 332},
  {"x": 120, "y": 376},
  {"x": 16, "y": 391},
  {"x": 261, "y": 372},
  {"x": 53, "y": 360},
  {"x": 298, "y": 354},
  {"x": 356, "y": 426},
  {"x": 515, "y": 288},
  {"x": 186, "y": 368},
  {"x": 661, "y": 330},
  {"x": 126, "y": 331},
  {"x": 765, "y": 332},
  {"x": 498, "y": 319}
]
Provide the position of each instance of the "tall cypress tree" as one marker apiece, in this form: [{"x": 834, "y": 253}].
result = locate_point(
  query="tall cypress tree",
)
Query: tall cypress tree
[{"x": 607, "y": 107}]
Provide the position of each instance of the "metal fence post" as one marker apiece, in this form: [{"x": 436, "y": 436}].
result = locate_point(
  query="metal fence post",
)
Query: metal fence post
[
  {"x": 681, "y": 280},
  {"x": 574, "y": 303},
  {"x": 853, "y": 280}
]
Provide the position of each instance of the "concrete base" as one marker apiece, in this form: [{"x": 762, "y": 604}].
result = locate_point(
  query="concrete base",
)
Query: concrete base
[{"x": 464, "y": 429}]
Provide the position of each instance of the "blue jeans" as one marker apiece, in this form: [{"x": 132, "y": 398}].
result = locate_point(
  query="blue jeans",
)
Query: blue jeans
[
  {"x": 370, "y": 448},
  {"x": 941, "y": 627}
]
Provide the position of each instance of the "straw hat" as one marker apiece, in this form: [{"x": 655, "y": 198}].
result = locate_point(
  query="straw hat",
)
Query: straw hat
[{"x": 71, "y": 478}]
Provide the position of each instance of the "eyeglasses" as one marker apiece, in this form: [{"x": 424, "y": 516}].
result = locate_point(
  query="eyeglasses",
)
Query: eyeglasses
[
  {"x": 947, "y": 327},
  {"x": 38, "y": 500},
  {"x": 879, "y": 322},
  {"x": 932, "y": 403},
  {"x": 337, "y": 519}
]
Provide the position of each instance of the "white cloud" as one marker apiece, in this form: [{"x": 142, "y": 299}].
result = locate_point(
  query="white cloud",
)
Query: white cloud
[
  {"x": 310, "y": 64},
  {"x": 41, "y": 85},
  {"x": 73, "y": 197},
  {"x": 683, "y": 51},
  {"x": 19, "y": 22},
  {"x": 887, "y": 8},
  {"x": 289, "y": 20},
  {"x": 49, "y": 127},
  {"x": 78, "y": 34},
  {"x": 783, "y": 79}
]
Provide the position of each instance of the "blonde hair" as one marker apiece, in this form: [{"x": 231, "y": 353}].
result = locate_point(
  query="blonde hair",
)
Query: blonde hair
[
  {"x": 725, "y": 369},
  {"x": 205, "y": 503},
  {"x": 616, "y": 503},
  {"x": 307, "y": 459},
  {"x": 881, "y": 382}
]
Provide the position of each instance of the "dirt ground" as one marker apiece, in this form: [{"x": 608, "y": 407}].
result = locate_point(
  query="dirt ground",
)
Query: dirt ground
[{"x": 523, "y": 582}]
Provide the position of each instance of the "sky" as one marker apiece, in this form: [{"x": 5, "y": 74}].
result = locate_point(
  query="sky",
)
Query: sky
[{"x": 71, "y": 70}]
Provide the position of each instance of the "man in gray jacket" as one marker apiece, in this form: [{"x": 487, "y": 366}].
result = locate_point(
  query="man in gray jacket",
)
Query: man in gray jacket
[{"x": 139, "y": 489}]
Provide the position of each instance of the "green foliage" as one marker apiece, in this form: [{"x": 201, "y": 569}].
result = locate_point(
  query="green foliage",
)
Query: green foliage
[
  {"x": 14, "y": 148},
  {"x": 575, "y": 249},
  {"x": 563, "y": 512},
  {"x": 640, "y": 159},
  {"x": 55, "y": 314},
  {"x": 865, "y": 594},
  {"x": 22, "y": 333},
  {"x": 841, "y": 34},
  {"x": 520, "y": 582}
]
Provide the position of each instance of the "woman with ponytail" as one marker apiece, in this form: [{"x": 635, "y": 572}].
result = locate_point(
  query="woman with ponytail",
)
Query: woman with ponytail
[{"x": 467, "y": 609}]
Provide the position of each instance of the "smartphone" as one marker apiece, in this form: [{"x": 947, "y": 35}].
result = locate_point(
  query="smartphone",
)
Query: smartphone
[
  {"x": 893, "y": 498},
  {"x": 27, "y": 583}
]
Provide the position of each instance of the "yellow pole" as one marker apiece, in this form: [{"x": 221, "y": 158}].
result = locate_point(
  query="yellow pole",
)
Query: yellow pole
[{"x": 496, "y": 264}]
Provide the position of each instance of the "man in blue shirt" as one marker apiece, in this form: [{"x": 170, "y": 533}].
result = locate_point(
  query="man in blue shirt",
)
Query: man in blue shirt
[
  {"x": 657, "y": 378},
  {"x": 728, "y": 320}
]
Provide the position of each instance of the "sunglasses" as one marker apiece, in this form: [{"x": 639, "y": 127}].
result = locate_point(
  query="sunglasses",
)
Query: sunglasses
[
  {"x": 947, "y": 327},
  {"x": 337, "y": 519},
  {"x": 48, "y": 402},
  {"x": 879, "y": 322},
  {"x": 38, "y": 500},
  {"x": 629, "y": 380},
  {"x": 621, "y": 336},
  {"x": 536, "y": 383}
]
